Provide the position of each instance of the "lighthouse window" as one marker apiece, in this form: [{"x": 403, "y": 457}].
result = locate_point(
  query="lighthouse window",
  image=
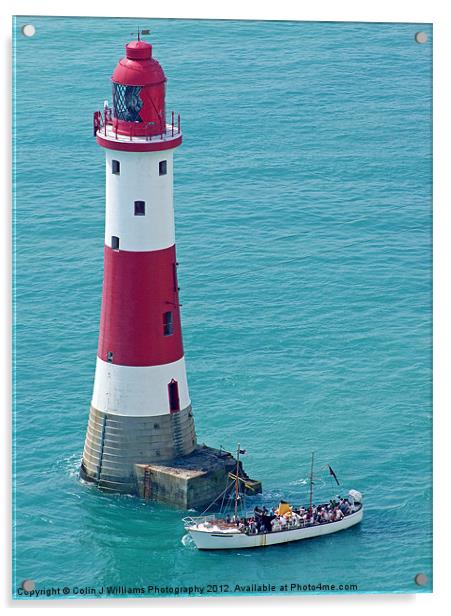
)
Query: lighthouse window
[
  {"x": 174, "y": 276},
  {"x": 109, "y": 357},
  {"x": 116, "y": 167},
  {"x": 174, "y": 400},
  {"x": 140, "y": 208},
  {"x": 163, "y": 167},
  {"x": 127, "y": 102},
  {"x": 114, "y": 242},
  {"x": 168, "y": 324}
]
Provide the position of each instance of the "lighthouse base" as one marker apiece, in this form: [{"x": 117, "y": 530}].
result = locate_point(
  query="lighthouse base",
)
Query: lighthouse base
[
  {"x": 115, "y": 443},
  {"x": 193, "y": 481}
]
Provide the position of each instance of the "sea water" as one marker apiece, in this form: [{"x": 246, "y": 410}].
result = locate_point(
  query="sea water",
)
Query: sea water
[{"x": 303, "y": 221}]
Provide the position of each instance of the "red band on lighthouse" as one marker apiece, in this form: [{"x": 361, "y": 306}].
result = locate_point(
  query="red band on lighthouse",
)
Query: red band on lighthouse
[
  {"x": 140, "y": 320},
  {"x": 111, "y": 142}
]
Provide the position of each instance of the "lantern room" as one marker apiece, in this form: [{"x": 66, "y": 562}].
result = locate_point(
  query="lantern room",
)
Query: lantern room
[{"x": 139, "y": 92}]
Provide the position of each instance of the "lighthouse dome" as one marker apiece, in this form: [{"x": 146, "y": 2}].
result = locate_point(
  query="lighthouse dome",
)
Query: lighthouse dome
[{"x": 139, "y": 92}]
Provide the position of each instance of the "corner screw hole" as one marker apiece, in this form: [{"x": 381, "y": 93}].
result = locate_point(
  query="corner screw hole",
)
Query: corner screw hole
[
  {"x": 421, "y": 37},
  {"x": 28, "y": 30},
  {"x": 421, "y": 579}
]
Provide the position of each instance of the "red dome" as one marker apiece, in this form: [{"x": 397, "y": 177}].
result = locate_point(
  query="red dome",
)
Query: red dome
[
  {"x": 138, "y": 50},
  {"x": 139, "y": 92},
  {"x": 138, "y": 68}
]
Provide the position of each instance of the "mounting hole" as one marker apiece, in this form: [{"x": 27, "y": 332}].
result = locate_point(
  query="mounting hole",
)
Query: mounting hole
[
  {"x": 28, "y": 30},
  {"x": 421, "y": 37},
  {"x": 421, "y": 579}
]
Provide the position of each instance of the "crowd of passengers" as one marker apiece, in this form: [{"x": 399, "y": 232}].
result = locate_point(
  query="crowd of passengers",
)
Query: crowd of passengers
[{"x": 265, "y": 521}]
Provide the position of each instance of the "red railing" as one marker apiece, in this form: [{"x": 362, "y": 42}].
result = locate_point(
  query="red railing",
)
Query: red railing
[{"x": 102, "y": 120}]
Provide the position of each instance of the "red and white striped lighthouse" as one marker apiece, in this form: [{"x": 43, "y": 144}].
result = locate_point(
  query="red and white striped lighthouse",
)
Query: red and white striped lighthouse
[{"x": 140, "y": 411}]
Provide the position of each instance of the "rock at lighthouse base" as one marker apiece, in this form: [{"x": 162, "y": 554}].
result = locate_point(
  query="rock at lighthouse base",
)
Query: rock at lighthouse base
[{"x": 192, "y": 481}]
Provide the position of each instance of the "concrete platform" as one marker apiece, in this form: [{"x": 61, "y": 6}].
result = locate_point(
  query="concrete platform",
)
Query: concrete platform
[{"x": 192, "y": 481}]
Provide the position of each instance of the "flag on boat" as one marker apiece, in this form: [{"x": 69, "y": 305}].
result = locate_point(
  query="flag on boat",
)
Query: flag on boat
[
  {"x": 331, "y": 471},
  {"x": 242, "y": 451},
  {"x": 247, "y": 485}
]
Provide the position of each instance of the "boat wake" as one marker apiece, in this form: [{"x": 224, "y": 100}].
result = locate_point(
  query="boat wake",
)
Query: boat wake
[
  {"x": 188, "y": 542},
  {"x": 70, "y": 465}
]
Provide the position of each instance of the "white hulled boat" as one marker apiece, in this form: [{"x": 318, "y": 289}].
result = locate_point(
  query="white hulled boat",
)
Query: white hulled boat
[{"x": 211, "y": 532}]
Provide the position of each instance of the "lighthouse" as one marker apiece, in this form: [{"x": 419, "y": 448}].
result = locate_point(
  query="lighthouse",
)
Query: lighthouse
[{"x": 141, "y": 424}]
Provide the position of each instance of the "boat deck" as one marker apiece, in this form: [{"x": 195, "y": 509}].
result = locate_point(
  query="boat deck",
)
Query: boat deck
[{"x": 212, "y": 524}]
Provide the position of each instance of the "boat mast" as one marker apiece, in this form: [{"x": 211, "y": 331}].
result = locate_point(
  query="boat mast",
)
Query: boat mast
[
  {"x": 311, "y": 483},
  {"x": 237, "y": 488}
]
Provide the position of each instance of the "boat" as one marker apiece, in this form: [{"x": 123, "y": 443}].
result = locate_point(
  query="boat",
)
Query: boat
[{"x": 286, "y": 524}]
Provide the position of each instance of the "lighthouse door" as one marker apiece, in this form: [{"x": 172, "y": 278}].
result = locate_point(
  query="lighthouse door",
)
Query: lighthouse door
[{"x": 174, "y": 400}]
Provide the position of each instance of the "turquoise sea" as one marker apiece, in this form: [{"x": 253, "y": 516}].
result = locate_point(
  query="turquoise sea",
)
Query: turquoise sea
[{"x": 303, "y": 196}]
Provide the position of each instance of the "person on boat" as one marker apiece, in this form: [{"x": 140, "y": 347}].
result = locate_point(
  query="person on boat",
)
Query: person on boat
[
  {"x": 227, "y": 518},
  {"x": 344, "y": 506},
  {"x": 267, "y": 519},
  {"x": 350, "y": 507},
  {"x": 258, "y": 513},
  {"x": 338, "y": 514},
  {"x": 295, "y": 518},
  {"x": 252, "y": 526}
]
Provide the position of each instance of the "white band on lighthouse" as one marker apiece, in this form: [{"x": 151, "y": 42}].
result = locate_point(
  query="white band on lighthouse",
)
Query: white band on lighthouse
[
  {"x": 138, "y": 391},
  {"x": 139, "y": 200}
]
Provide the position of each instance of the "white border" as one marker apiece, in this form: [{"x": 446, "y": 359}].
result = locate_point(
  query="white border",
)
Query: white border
[{"x": 435, "y": 11}]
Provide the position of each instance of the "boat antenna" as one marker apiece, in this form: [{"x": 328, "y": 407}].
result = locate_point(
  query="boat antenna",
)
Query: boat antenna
[
  {"x": 237, "y": 481},
  {"x": 311, "y": 482}
]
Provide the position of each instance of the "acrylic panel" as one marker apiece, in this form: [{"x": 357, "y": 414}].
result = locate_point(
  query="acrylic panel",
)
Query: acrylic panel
[{"x": 302, "y": 200}]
